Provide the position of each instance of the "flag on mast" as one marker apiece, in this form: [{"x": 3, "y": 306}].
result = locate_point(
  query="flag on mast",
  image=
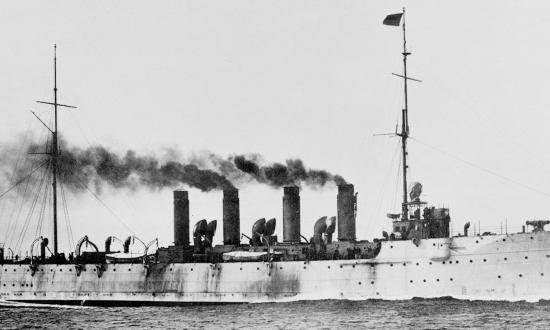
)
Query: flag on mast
[{"x": 393, "y": 19}]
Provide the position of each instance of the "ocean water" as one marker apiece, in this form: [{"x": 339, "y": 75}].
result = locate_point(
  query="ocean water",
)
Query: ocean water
[{"x": 328, "y": 314}]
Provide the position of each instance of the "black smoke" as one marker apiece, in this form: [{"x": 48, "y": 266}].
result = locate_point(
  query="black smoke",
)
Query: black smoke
[
  {"x": 293, "y": 172},
  {"x": 95, "y": 167}
]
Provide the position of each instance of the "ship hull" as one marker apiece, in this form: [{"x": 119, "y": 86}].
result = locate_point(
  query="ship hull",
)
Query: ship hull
[{"x": 498, "y": 267}]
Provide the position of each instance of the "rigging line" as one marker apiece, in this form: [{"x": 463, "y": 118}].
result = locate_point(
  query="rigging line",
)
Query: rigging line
[
  {"x": 20, "y": 199},
  {"x": 16, "y": 166},
  {"x": 17, "y": 198},
  {"x": 67, "y": 217},
  {"x": 471, "y": 103},
  {"x": 126, "y": 200},
  {"x": 23, "y": 179},
  {"x": 13, "y": 224},
  {"x": 387, "y": 178},
  {"x": 31, "y": 212},
  {"x": 397, "y": 181},
  {"x": 107, "y": 207},
  {"x": 42, "y": 212},
  {"x": 500, "y": 176}
]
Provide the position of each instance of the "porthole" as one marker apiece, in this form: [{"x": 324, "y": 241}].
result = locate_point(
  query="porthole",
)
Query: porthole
[
  {"x": 531, "y": 237},
  {"x": 541, "y": 274},
  {"x": 282, "y": 267},
  {"x": 505, "y": 259},
  {"x": 27, "y": 270},
  {"x": 14, "y": 269},
  {"x": 417, "y": 264},
  {"x": 170, "y": 269},
  {"x": 411, "y": 281},
  {"x": 304, "y": 268},
  {"x": 70, "y": 269},
  {"x": 499, "y": 276},
  {"x": 520, "y": 275},
  {"x": 430, "y": 262},
  {"x": 451, "y": 278},
  {"x": 327, "y": 267},
  {"x": 240, "y": 269},
  {"x": 433, "y": 244},
  {"x": 471, "y": 261},
  {"x": 404, "y": 264},
  {"x": 456, "y": 261},
  {"x": 51, "y": 270},
  {"x": 437, "y": 280},
  {"x": 359, "y": 283},
  {"x": 424, "y": 281},
  {"x": 391, "y": 246},
  {"x": 13, "y": 284},
  {"x": 371, "y": 282},
  {"x": 391, "y": 265},
  {"x": 192, "y": 269},
  {"x": 504, "y": 239},
  {"x": 258, "y": 268},
  {"x": 450, "y": 261},
  {"x": 443, "y": 262},
  {"x": 484, "y": 260},
  {"x": 341, "y": 266},
  {"x": 60, "y": 269},
  {"x": 114, "y": 269},
  {"x": 477, "y": 242},
  {"x": 526, "y": 257},
  {"x": 352, "y": 266}
]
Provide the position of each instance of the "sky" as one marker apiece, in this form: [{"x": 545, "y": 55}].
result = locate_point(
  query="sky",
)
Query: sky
[{"x": 288, "y": 79}]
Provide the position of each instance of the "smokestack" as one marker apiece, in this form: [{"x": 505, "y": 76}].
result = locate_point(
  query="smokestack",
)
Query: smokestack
[
  {"x": 346, "y": 212},
  {"x": 181, "y": 218},
  {"x": 231, "y": 217},
  {"x": 291, "y": 214}
]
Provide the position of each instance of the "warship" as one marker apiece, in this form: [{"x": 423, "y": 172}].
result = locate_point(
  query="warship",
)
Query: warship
[{"x": 419, "y": 257}]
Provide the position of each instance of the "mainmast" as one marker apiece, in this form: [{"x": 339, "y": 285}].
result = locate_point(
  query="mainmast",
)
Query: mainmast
[
  {"x": 395, "y": 20},
  {"x": 54, "y": 153},
  {"x": 405, "y": 126}
]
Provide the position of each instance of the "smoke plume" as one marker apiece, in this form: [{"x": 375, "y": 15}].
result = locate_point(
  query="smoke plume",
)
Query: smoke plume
[
  {"x": 95, "y": 167},
  {"x": 292, "y": 173}
]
